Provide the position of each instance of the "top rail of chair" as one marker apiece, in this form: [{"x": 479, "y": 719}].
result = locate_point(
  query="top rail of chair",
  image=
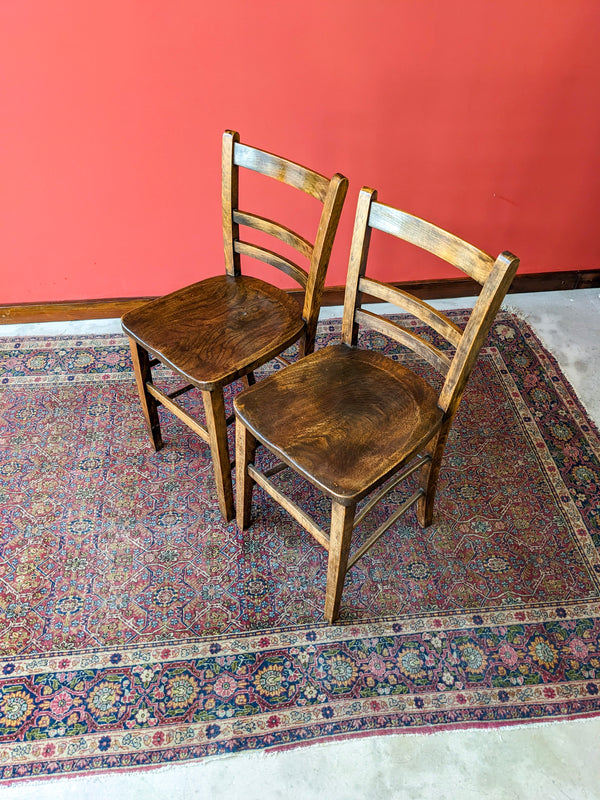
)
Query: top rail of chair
[
  {"x": 475, "y": 262},
  {"x": 281, "y": 169}
]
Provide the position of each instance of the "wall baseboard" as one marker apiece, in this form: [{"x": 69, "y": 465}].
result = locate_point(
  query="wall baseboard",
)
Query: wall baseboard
[
  {"x": 332, "y": 296},
  {"x": 62, "y": 311}
]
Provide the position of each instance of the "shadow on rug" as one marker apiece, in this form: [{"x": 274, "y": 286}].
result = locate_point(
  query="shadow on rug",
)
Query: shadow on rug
[{"x": 137, "y": 629}]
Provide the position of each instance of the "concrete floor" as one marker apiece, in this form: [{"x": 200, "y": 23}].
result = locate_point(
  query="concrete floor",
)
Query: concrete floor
[{"x": 556, "y": 761}]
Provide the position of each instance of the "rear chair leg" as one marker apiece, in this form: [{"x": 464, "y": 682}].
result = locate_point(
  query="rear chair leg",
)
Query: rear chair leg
[
  {"x": 430, "y": 474},
  {"x": 214, "y": 409},
  {"x": 340, "y": 537},
  {"x": 245, "y": 448},
  {"x": 143, "y": 375},
  {"x": 306, "y": 345},
  {"x": 248, "y": 380}
]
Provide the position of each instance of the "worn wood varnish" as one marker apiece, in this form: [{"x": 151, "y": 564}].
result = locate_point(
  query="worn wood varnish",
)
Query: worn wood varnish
[
  {"x": 349, "y": 419},
  {"x": 220, "y": 329}
]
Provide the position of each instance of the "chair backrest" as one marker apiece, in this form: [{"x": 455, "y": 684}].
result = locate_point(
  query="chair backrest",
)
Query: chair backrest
[
  {"x": 494, "y": 275},
  {"x": 329, "y": 192}
]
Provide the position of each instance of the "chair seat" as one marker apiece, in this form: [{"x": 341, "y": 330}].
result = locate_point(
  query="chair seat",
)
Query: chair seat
[
  {"x": 218, "y": 329},
  {"x": 343, "y": 417}
]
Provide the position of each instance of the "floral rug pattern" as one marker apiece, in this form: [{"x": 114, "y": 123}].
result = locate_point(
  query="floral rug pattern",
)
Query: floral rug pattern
[{"x": 137, "y": 629}]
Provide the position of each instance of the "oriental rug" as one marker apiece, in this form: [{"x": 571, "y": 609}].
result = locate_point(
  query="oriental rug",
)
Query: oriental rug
[{"x": 137, "y": 629}]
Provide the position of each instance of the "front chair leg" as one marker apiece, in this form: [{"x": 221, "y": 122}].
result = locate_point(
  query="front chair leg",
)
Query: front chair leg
[
  {"x": 245, "y": 448},
  {"x": 143, "y": 375},
  {"x": 214, "y": 409},
  {"x": 340, "y": 537}
]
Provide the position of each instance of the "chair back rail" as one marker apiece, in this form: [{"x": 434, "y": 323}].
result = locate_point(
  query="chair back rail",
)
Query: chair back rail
[
  {"x": 281, "y": 169},
  {"x": 495, "y": 276},
  {"x": 274, "y": 260},
  {"x": 414, "y": 305},
  {"x": 427, "y": 236},
  {"x": 416, "y": 343},
  {"x": 330, "y": 217},
  {"x": 330, "y": 192},
  {"x": 275, "y": 229}
]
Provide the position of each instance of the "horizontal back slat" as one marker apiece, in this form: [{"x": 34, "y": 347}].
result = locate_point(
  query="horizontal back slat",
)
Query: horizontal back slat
[
  {"x": 281, "y": 169},
  {"x": 422, "y": 348},
  {"x": 268, "y": 257},
  {"x": 429, "y": 315},
  {"x": 450, "y": 248},
  {"x": 272, "y": 228}
]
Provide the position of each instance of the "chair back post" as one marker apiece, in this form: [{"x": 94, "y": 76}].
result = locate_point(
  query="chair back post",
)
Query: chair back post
[
  {"x": 328, "y": 224},
  {"x": 359, "y": 252},
  {"x": 229, "y": 202},
  {"x": 476, "y": 331}
]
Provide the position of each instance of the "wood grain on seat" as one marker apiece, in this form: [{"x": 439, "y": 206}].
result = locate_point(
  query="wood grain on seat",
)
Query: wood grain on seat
[
  {"x": 343, "y": 417},
  {"x": 218, "y": 329}
]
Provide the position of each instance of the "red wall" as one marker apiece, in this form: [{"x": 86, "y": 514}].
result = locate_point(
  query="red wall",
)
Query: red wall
[{"x": 481, "y": 116}]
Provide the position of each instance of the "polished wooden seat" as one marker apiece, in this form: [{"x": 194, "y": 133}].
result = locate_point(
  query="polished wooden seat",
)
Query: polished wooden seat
[
  {"x": 326, "y": 418},
  {"x": 356, "y": 423},
  {"x": 222, "y": 328}
]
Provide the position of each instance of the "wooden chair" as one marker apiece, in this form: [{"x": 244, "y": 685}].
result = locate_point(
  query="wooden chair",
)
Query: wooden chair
[
  {"x": 354, "y": 422},
  {"x": 224, "y": 327}
]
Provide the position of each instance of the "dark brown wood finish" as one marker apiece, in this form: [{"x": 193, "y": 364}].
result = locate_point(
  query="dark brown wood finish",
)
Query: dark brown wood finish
[
  {"x": 143, "y": 376},
  {"x": 218, "y": 329},
  {"x": 355, "y": 423},
  {"x": 326, "y": 419},
  {"x": 222, "y": 328}
]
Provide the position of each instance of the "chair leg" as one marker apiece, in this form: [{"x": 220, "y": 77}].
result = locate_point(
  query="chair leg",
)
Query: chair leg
[
  {"x": 306, "y": 345},
  {"x": 248, "y": 380},
  {"x": 245, "y": 447},
  {"x": 429, "y": 476},
  {"x": 143, "y": 375},
  {"x": 214, "y": 409},
  {"x": 342, "y": 521}
]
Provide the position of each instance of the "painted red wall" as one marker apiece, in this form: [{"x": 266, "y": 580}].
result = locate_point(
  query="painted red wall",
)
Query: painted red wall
[{"x": 481, "y": 116}]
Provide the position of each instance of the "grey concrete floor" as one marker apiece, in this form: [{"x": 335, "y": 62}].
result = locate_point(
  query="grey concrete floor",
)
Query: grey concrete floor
[{"x": 556, "y": 761}]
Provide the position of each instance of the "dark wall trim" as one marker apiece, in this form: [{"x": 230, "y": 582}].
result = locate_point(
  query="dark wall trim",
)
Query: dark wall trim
[
  {"x": 69, "y": 310},
  {"x": 332, "y": 296}
]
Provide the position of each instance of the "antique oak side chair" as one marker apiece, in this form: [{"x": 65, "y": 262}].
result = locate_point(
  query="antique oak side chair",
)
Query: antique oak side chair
[
  {"x": 222, "y": 328},
  {"x": 348, "y": 419}
]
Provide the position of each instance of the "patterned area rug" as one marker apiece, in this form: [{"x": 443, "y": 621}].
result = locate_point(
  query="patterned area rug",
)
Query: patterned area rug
[{"x": 137, "y": 629}]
